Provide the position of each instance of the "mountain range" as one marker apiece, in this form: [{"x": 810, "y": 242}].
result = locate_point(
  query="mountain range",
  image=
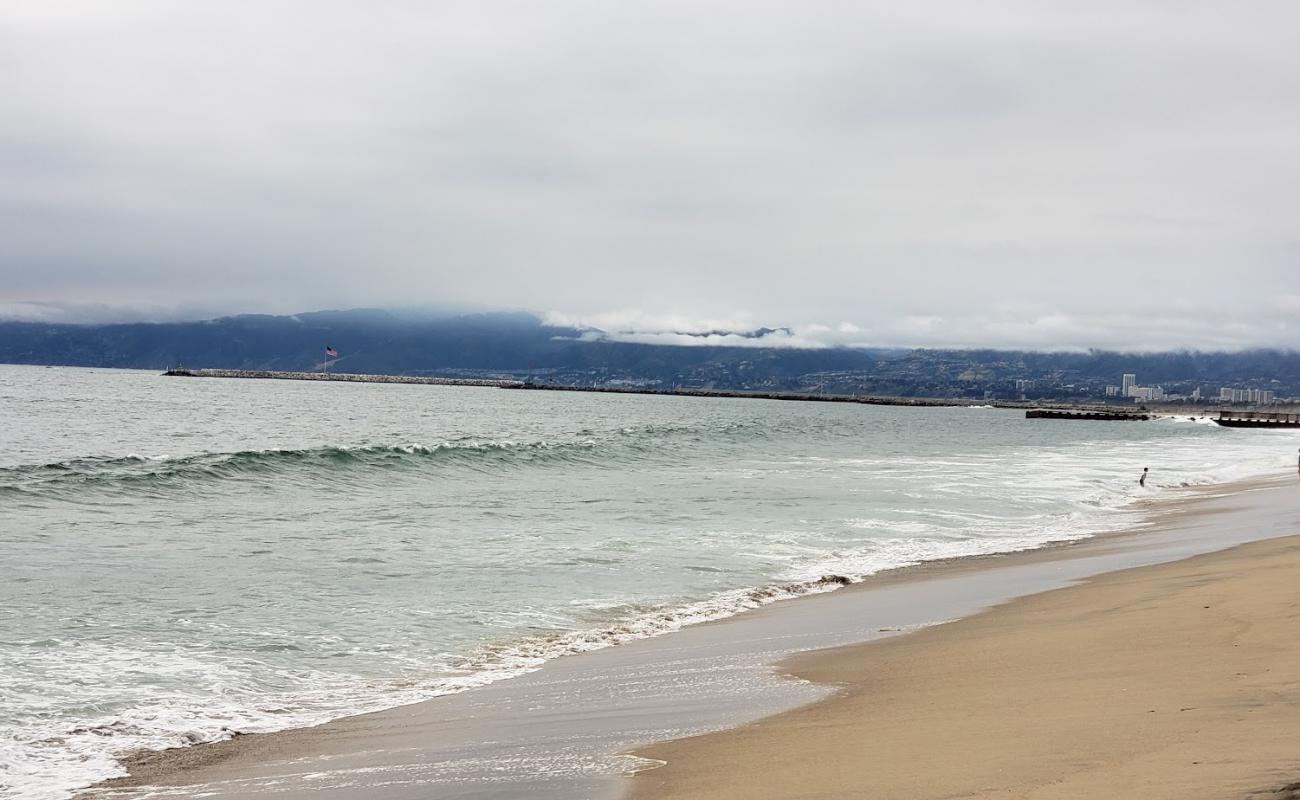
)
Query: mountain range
[{"x": 520, "y": 344}]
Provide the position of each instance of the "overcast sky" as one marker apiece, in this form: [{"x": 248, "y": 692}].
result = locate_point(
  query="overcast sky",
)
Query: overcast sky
[{"x": 1026, "y": 174}]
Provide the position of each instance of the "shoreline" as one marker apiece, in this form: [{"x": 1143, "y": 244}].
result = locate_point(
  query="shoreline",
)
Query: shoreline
[
  {"x": 248, "y": 761},
  {"x": 1172, "y": 680}
]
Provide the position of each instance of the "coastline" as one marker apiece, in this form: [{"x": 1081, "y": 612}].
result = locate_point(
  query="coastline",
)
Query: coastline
[
  {"x": 1168, "y": 681},
  {"x": 406, "y": 748}
]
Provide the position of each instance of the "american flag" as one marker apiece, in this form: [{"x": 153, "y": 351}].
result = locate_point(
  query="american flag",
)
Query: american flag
[{"x": 330, "y": 352}]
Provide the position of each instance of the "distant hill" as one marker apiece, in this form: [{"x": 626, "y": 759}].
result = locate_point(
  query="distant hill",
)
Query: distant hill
[
  {"x": 520, "y": 344},
  {"x": 376, "y": 341}
]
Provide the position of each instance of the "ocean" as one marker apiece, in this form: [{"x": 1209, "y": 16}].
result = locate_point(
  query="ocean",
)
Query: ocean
[{"x": 184, "y": 559}]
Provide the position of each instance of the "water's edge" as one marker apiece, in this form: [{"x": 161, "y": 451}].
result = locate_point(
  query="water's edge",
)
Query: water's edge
[
  {"x": 1171, "y": 529},
  {"x": 936, "y": 593}
]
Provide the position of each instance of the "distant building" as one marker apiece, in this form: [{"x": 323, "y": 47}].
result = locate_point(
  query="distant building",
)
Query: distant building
[
  {"x": 1129, "y": 388},
  {"x": 1112, "y": 391},
  {"x": 1257, "y": 396},
  {"x": 1022, "y": 385}
]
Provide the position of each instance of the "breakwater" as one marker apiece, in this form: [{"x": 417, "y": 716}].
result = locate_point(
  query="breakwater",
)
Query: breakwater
[
  {"x": 1105, "y": 416},
  {"x": 752, "y": 395},
  {"x": 346, "y": 377},
  {"x": 554, "y": 387},
  {"x": 1094, "y": 411},
  {"x": 877, "y": 400}
]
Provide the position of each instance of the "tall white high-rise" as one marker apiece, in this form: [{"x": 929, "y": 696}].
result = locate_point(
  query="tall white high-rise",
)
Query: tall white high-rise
[{"x": 1126, "y": 385}]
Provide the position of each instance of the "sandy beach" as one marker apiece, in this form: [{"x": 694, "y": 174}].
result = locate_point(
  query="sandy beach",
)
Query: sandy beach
[{"x": 1173, "y": 681}]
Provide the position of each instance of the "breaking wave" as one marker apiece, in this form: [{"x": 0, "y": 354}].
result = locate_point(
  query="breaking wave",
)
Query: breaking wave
[
  {"x": 162, "y": 472},
  {"x": 89, "y": 751}
]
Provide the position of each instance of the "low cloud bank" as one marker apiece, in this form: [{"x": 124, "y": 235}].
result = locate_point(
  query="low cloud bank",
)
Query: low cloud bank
[
  {"x": 1154, "y": 329},
  {"x": 1137, "y": 331},
  {"x": 739, "y": 330}
]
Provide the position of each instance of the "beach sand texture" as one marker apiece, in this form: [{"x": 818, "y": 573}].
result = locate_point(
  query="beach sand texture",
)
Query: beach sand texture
[{"x": 1180, "y": 680}]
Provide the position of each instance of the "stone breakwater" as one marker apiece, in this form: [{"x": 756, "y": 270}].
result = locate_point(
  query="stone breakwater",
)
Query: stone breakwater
[
  {"x": 512, "y": 384},
  {"x": 335, "y": 376},
  {"x": 759, "y": 395},
  {"x": 678, "y": 392},
  {"x": 1100, "y": 411}
]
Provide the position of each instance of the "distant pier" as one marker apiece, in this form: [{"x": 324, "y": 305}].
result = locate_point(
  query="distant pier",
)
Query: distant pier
[
  {"x": 1105, "y": 416},
  {"x": 1257, "y": 419}
]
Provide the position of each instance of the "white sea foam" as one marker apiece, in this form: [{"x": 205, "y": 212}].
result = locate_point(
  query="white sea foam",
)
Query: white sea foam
[{"x": 49, "y": 763}]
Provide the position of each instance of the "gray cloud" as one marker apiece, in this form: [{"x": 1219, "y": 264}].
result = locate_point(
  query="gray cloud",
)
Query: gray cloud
[{"x": 1004, "y": 173}]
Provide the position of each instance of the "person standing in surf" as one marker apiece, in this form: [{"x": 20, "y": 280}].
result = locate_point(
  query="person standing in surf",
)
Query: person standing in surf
[{"x": 1143, "y": 480}]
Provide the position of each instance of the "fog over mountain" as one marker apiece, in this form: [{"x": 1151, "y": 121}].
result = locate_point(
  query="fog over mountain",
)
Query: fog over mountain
[
  {"x": 524, "y": 346},
  {"x": 1013, "y": 174}
]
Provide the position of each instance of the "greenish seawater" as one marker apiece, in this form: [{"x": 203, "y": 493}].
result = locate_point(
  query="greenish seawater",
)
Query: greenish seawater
[{"x": 184, "y": 558}]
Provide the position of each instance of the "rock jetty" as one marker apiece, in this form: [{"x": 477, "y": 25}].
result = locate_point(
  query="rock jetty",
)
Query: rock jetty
[
  {"x": 335, "y": 376},
  {"x": 1071, "y": 411}
]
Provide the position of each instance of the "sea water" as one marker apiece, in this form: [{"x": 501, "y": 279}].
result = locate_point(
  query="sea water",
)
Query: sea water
[{"x": 183, "y": 559}]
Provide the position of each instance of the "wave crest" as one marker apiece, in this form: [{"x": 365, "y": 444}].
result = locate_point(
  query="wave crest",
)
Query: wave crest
[{"x": 316, "y": 463}]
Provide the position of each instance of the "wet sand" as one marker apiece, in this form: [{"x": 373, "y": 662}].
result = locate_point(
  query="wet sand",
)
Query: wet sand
[
  {"x": 559, "y": 732},
  {"x": 1174, "y": 681}
]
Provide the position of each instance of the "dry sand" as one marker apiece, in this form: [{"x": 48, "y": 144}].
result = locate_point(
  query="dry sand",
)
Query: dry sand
[{"x": 1175, "y": 681}]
